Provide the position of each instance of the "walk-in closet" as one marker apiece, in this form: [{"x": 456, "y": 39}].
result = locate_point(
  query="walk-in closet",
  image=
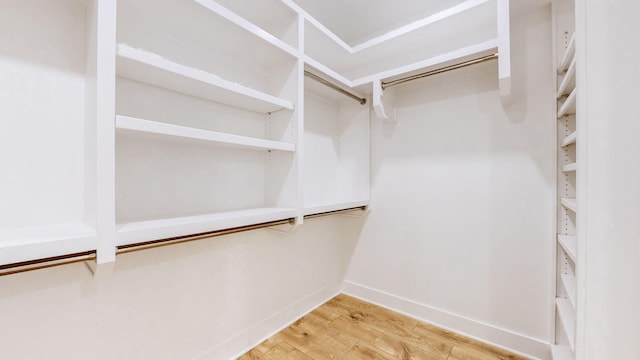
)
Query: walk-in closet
[{"x": 300, "y": 179}]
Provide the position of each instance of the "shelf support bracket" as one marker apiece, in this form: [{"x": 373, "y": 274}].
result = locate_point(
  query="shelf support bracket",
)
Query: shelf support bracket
[{"x": 383, "y": 102}]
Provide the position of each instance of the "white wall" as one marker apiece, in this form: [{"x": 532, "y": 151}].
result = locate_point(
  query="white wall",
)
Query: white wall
[
  {"x": 208, "y": 299},
  {"x": 461, "y": 230},
  {"x": 608, "y": 223}
]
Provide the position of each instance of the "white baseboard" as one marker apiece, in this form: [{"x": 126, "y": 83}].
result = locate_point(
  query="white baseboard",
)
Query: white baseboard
[
  {"x": 240, "y": 343},
  {"x": 503, "y": 338}
]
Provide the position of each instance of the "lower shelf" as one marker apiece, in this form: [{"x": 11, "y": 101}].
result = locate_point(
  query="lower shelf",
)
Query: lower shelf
[
  {"x": 17, "y": 245},
  {"x": 567, "y": 316},
  {"x": 328, "y": 207},
  {"x": 559, "y": 352},
  {"x": 133, "y": 232}
]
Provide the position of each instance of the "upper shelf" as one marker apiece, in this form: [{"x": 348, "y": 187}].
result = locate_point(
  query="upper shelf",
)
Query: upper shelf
[
  {"x": 154, "y": 127},
  {"x": 147, "y": 67},
  {"x": 568, "y": 55},
  {"x": 251, "y": 10}
]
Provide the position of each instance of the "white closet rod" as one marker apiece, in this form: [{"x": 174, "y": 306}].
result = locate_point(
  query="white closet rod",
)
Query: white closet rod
[
  {"x": 317, "y": 78},
  {"x": 386, "y": 84}
]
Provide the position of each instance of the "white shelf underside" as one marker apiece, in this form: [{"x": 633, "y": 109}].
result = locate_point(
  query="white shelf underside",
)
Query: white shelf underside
[
  {"x": 139, "y": 231},
  {"x": 570, "y": 139}
]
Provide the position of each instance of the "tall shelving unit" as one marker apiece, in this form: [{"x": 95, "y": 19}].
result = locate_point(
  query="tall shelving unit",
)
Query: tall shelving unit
[
  {"x": 176, "y": 118},
  {"x": 205, "y": 142},
  {"x": 568, "y": 172}
]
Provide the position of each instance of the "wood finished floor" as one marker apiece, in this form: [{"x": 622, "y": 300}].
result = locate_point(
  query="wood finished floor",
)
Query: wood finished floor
[{"x": 347, "y": 328}]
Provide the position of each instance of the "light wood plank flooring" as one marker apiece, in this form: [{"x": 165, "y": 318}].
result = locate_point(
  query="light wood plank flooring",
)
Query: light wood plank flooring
[{"x": 348, "y": 328}]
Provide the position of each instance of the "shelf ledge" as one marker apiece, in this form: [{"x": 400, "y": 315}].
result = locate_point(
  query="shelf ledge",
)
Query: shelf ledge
[
  {"x": 569, "y": 244},
  {"x": 568, "y": 319},
  {"x": 138, "y": 231},
  {"x": 147, "y": 67},
  {"x": 569, "y": 167},
  {"x": 568, "y": 107},
  {"x": 570, "y": 204},
  {"x": 154, "y": 127},
  {"x": 570, "y": 139}
]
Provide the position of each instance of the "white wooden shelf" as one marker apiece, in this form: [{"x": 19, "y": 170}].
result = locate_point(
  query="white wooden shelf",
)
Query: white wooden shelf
[
  {"x": 247, "y": 26},
  {"x": 568, "y": 107},
  {"x": 568, "y": 55},
  {"x": 560, "y": 352},
  {"x": 569, "y": 167},
  {"x": 568, "y": 319},
  {"x": 154, "y": 127},
  {"x": 568, "y": 83},
  {"x": 570, "y": 204},
  {"x": 569, "y": 284},
  {"x": 569, "y": 244},
  {"x": 22, "y": 244},
  {"x": 165, "y": 228},
  {"x": 570, "y": 139},
  {"x": 327, "y": 207},
  {"x": 143, "y": 66}
]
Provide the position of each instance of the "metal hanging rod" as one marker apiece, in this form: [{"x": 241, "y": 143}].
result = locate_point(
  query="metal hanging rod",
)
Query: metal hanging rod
[
  {"x": 123, "y": 249},
  {"x": 386, "y": 84},
  {"x": 327, "y": 213},
  {"x": 317, "y": 78},
  {"x": 19, "y": 267}
]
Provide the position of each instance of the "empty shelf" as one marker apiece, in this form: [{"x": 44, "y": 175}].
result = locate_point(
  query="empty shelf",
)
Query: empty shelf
[
  {"x": 569, "y": 244},
  {"x": 149, "y": 68},
  {"x": 139, "y": 231},
  {"x": 568, "y": 107},
  {"x": 559, "y": 352},
  {"x": 568, "y": 319},
  {"x": 568, "y": 55},
  {"x": 568, "y": 82},
  {"x": 569, "y": 167},
  {"x": 570, "y": 204},
  {"x": 570, "y": 139},
  {"x": 247, "y": 25},
  {"x": 154, "y": 127},
  {"x": 28, "y": 243},
  {"x": 569, "y": 284}
]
